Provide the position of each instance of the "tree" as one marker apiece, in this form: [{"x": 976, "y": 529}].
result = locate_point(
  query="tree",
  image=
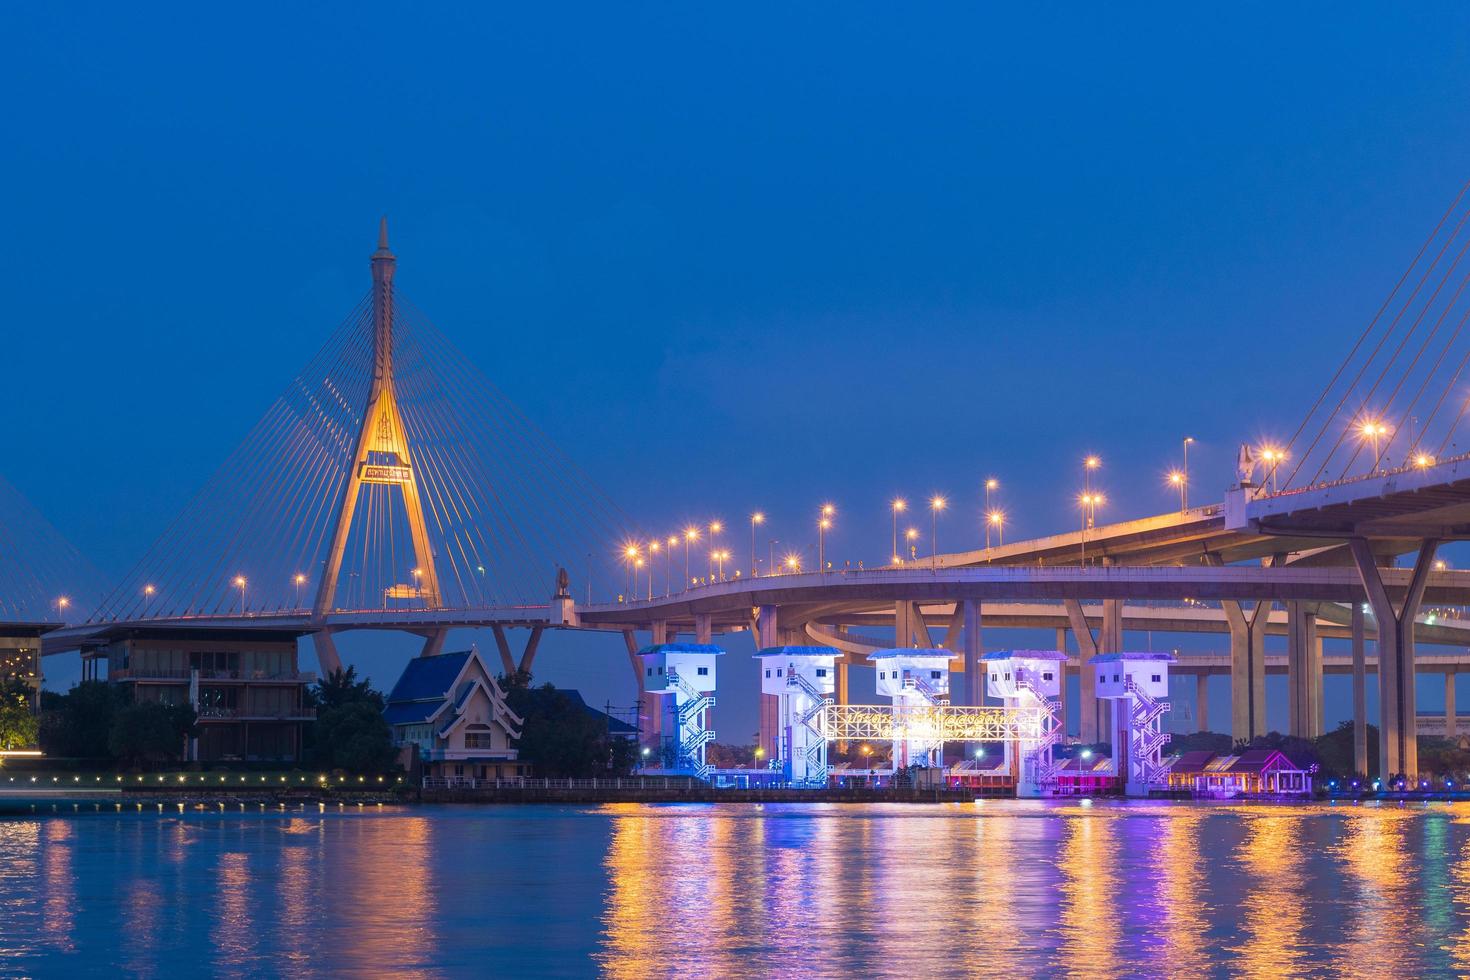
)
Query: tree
[
  {"x": 353, "y": 736},
  {"x": 78, "y": 724},
  {"x": 18, "y": 726},
  {"x": 562, "y": 737},
  {"x": 150, "y": 732},
  {"x": 341, "y": 687}
]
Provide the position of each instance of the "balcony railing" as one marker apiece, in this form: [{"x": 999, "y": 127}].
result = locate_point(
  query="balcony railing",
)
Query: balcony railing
[
  {"x": 531, "y": 782},
  {"x": 175, "y": 674},
  {"x": 216, "y": 713}
]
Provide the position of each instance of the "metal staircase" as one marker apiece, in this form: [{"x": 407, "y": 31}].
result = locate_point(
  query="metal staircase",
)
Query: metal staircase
[
  {"x": 926, "y": 690},
  {"x": 816, "y": 747},
  {"x": 1047, "y": 766},
  {"x": 1146, "y": 735},
  {"x": 693, "y": 736}
]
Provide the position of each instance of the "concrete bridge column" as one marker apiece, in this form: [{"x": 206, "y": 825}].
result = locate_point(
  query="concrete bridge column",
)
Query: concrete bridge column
[
  {"x": 704, "y": 628},
  {"x": 660, "y": 631},
  {"x": 650, "y": 719},
  {"x": 327, "y": 658},
  {"x": 1062, "y": 698},
  {"x": 1398, "y": 724},
  {"x": 1303, "y": 670},
  {"x": 974, "y": 651},
  {"x": 766, "y": 635},
  {"x": 433, "y": 643},
  {"x": 1247, "y": 667},
  {"x": 1202, "y": 700},
  {"x": 1360, "y": 694},
  {"x": 1089, "y": 723},
  {"x": 1451, "y": 727},
  {"x": 508, "y": 665}
]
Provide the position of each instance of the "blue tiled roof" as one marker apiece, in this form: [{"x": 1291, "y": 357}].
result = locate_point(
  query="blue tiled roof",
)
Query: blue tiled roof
[
  {"x": 1103, "y": 658},
  {"x": 911, "y": 652},
  {"x": 799, "y": 652},
  {"x": 708, "y": 648},
  {"x": 614, "y": 726},
  {"x": 427, "y": 678},
  {"x": 410, "y": 712},
  {"x": 1025, "y": 655}
]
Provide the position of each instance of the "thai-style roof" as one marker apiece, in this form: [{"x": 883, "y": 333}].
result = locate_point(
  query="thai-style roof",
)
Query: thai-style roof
[
  {"x": 422, "y": 688},
  {"x": 785, "y": 652},
  {"x": 1193, "y": 761}
]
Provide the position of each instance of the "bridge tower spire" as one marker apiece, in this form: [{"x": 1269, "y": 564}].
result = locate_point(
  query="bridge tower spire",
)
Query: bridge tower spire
[{"x": 382, "y": 455}]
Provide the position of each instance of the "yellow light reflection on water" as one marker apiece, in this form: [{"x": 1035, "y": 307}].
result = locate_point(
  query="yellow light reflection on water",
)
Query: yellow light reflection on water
[{"x": 1272, "y": 903}]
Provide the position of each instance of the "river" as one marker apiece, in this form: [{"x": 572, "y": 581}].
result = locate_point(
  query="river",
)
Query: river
[{"x": 998, "y": 888}]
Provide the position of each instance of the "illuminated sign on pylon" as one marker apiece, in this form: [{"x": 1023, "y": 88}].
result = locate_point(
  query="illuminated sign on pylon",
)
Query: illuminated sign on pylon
[{"x": 372, "y": 473}]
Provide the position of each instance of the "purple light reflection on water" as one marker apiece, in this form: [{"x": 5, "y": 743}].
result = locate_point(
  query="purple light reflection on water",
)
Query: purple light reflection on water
[{"x": 1002, "y": 888}]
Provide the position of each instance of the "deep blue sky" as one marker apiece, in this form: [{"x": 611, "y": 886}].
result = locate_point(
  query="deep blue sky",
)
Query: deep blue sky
[{"x": 752, "y": 258}]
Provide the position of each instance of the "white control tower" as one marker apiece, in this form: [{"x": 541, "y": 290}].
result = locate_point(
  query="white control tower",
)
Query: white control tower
[{"x": 803, "y": 678}]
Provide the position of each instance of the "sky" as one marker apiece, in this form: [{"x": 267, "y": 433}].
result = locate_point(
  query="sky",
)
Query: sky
[{"x": 729, "y": 259}]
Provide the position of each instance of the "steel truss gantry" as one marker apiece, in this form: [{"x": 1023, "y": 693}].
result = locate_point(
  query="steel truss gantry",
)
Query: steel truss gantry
[{"x": 931, "y": 722}]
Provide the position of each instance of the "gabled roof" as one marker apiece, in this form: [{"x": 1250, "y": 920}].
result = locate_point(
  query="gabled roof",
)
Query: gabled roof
[
  {"x": 428, "y": 678},
  {"x": 1193, "y": 761},
  {"x": 1261, "y": 760}
]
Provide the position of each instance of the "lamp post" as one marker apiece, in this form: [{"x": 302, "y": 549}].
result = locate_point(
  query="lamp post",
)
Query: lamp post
[
  {"x": 1176, "y": 479},
  {"x": 669, "y": 564},
  {"x": 1374, "y": 431},
  {"x": 756, "y": 518},
  {"x": 653, "y": 549},
  {"x": 1184, "y": 484},
  {"x": 1273, "y": 458},
  {"x": 771, "y": 556},
  {"x": 991, "y": 483},
  {"x": 297, "y": 580},
  {"x": 61, "y": 603},
  {"x": 240, "y": 584},
  {"x": 824, "y": 523},
  {"x": 1089, "y": 502},
  {"x": 997, "y": 520},
  {"x": 936, "y": 504},
  {"x": 715, "y": 527},
  {"x": 148, "y": 591},
  {"x": 691, "y": 533},
  {"x": 899, "y": 506},
  {"x": 630, "y": 555},
  {"x": 912, "y": 536}
]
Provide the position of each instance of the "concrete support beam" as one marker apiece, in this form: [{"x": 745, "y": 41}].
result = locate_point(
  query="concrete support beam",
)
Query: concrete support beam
[
  {"x": 1247, "y": 667},
  {"x": 660, "y": 631},
  {"x": 1303, "y": 670},
  {"x": 528, "y": 656},
  {"x": 1360, "y": 694},
  {"x": 327, "y": 658},
  {"x": 649, "y": 718},
  {"x": 704, "y": 628},
  {"x": 1398, "y": 724},
  {"x": 433, "y": 643},
  {"x": 1451, "y": 728},
  {"x": 1089, "y": 723},
  {"x": 909, "y": 626},
  {"x": 509, "y": 666},
  {"x": 768, "y": 635},
  {"x": 974, "y": 650},
  {"x": 1202, "y": 701},
  {"x": 1062, "y": 697}
]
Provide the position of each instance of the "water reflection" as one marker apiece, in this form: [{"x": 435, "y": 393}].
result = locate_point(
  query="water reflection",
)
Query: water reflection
[
  {"x": 1182, "y": 943},
  {"x": 1089, "y": 918},
  {"x": 1377, "y": 875},
  {"x": 1273, "y": 906}
]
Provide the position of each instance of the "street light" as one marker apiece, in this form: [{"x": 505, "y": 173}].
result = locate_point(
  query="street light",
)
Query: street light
[
  {"x": 297, "y": 580},
  {"x": 756, "y": 518},
  {"x": 61, "y": 603},
  {"x": 148, "y": 591},
  {"x": 691, "y": 533},
  {"x": 995, "y": 519},
  {"x": 1089, "y": 503},
  {"x": 1374, "y": 430},
  {"x": 630, "y": 554},
  {"x": 898, "y": 506},
  {"x": 793, "y": 562},
  {"x": 1273, "y": 458},
  {"x": 991, "y": 484},
  {"x": 669, "y": 564},
  {"x": 912, "y": 535},
  {"x": 715, "y": 527},
  {"x": 1176, "y": 479},
  {"x": 1423, "y": 460},
  {"x": 1184, "y": 487},
  {"x": 240, "y": 584},
  {"x": 936, "y": 504},
  {"x": 824, "y": 523}
]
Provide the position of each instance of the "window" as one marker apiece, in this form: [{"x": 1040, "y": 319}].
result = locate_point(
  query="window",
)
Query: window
[
  {"x": 660, "y": 668},
  {"x": 1115, "y": 678},
  {"x": 1046, "y": 676},
  {"x": 703, "y": 672},
  {"x": 479, "y": 740},
  {"x": 821, "y": 671},
  {"x": 1156, "y": 678},
  {"x": 934, "y": 675},
  {"x": 768, "y": 672},
  {"x": 1127, "y": 677},
  {"x": 1008, "y": 675},
  {"x": 778, "y": 671},
  {"x": 882, "y": 676},
  {"x": 459, "y": 770},
  {"x": 650, "y": 672}
]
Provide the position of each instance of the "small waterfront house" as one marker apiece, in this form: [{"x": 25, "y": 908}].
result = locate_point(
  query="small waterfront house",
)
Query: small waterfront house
[
  {"x": 451, "y": 712},
  {"x": 1254, "y": 772}
]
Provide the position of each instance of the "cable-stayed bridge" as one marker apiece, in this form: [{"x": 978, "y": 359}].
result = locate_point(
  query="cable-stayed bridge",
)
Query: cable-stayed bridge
[{"x": 391, "y": 486}]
